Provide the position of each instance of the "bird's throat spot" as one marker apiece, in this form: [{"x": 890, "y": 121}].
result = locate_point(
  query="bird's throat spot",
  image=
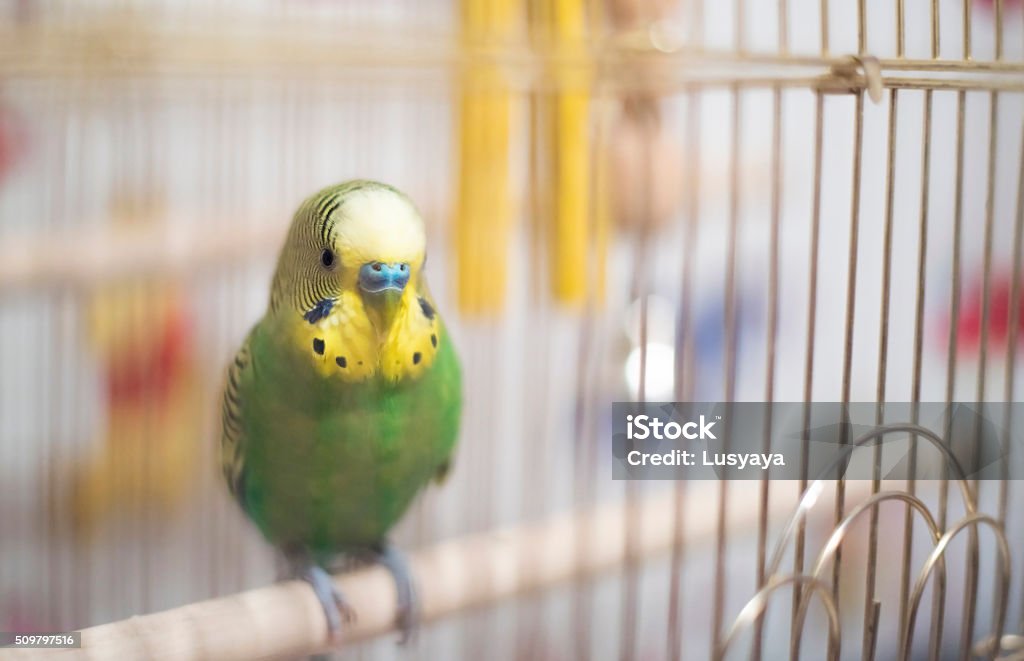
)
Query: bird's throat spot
[
  {"x": 319, "y": 311},
  {"x": 427, "y": 308}
]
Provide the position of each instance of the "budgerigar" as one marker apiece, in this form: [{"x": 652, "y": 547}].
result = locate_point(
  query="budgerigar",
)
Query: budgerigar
[{"x": 344, "y": 401}]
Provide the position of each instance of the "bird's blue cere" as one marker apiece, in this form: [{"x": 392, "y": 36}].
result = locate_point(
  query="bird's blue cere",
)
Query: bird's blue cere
[{"x": 378, "y": 277}]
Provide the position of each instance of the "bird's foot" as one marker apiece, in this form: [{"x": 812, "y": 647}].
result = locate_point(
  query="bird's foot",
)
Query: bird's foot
[
  {"x": 336, "y": 607},
  {"x": 408, "y": 604}
]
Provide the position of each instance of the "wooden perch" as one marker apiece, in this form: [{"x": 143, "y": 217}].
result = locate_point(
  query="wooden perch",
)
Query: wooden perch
[
  {"x": 285, "y": 620},
  {"x": 166, "y": 248}
]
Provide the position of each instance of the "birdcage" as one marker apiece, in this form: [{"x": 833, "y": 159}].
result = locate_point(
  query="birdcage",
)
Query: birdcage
[{"x": 801, "y": 202}]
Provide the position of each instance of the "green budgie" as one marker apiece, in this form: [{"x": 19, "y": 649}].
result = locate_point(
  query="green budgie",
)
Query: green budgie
[{"x": 344, "y": 401}]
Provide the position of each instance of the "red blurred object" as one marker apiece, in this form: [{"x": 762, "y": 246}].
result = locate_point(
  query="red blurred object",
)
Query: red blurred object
[
  {"x": 150, "y": 373},
  {"x": 20, "y": 615},
  {"x": 969, "y": 324},
  {"x": 12, "y": 140}
]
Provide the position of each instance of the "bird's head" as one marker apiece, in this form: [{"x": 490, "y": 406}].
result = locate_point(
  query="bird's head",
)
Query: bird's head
[{"x": 360, "y": 237}]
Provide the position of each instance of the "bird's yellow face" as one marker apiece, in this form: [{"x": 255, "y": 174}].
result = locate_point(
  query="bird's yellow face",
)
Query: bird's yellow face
[
  {"x": 360, "y": 238},
  {"x": 379, "y": 241},
  {"x": 351, "y": 270}
]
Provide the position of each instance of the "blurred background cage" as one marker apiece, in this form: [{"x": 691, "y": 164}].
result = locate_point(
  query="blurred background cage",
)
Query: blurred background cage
[{"x": 787, "y": 200}]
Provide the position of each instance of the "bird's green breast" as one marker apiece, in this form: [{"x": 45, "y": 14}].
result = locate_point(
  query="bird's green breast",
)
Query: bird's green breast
[{"x": 331, "y": 465}]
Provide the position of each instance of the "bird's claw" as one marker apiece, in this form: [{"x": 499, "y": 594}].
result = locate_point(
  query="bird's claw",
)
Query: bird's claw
[
  {"x": 408, "y": 612},
  {"x": 336, "y": 607},
  {"x": 407, "y": 620},
  {"x": 345, "y": 609}
]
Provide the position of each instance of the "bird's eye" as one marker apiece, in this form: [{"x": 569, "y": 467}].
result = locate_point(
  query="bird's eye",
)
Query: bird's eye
[{"x": 327, "y": 258}]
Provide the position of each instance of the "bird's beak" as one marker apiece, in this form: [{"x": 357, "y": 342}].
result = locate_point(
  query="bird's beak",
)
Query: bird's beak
[
  {"x": 382, "y": 286},
  {"x": 381, "y": 278}
]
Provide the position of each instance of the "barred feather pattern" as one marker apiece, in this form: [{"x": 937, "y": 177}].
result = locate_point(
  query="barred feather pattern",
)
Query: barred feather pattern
[
  {"x": 232, "y": 449},
  {"x": 300, "y": 281}
]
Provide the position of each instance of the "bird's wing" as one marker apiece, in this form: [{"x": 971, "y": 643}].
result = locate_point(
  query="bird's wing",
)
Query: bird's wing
[{"x": 232, "y": 439}]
